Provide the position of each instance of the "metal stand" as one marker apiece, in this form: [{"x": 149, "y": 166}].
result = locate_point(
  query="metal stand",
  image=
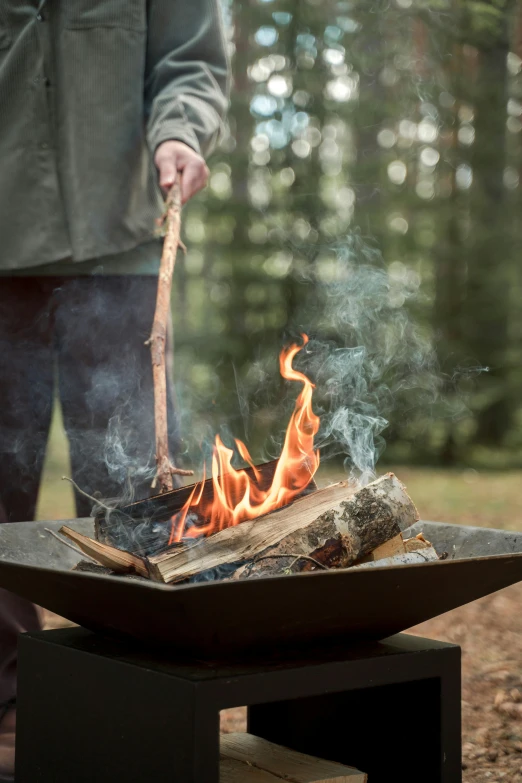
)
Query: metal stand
[{"x": 94, "y": 709}]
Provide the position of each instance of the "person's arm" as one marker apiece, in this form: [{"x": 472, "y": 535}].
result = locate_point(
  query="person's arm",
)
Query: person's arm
[{"x": 186, "y": 88}]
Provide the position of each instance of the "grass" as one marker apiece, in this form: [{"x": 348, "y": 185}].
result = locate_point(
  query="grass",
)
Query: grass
[
  {"x": 469, "y": 497},
  {"x": 483, "y": 498},
  {"x": 56, "y": 497}
]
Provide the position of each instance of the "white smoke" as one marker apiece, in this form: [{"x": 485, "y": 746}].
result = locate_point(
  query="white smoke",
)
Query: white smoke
[{"x": 366, "y": 351}]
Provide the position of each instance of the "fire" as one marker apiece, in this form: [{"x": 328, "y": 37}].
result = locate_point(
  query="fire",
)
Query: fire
[{"x": 238, "y": 497}]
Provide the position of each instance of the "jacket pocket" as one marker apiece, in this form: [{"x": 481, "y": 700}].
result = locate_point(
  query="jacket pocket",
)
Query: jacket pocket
[{"x": 127, "y": 14}]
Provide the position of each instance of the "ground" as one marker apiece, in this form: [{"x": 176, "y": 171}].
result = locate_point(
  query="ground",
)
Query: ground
[{"x": 489, "y": 631}]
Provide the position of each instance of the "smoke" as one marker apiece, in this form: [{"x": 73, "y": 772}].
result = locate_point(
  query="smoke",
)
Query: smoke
[
  {"x": 127, "y": 466},
  {"x": 372, "y": 359},
  {"x": 367, "y": 354}
]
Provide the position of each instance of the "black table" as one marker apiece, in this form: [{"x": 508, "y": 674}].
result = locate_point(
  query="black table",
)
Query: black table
[{"x": 94, "y": 709}]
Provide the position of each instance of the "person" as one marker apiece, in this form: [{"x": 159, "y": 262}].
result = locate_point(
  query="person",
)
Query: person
[{"x": 103, "y": 103}]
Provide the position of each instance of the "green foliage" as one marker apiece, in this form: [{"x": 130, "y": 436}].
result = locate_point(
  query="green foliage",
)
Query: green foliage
[
  {"x": 478, "y": 23},
  {"x": 396, "y": 123}
]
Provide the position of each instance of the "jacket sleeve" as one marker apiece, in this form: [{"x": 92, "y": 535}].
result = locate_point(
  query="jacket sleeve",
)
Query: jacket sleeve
[{"x": 187, "y": 73}]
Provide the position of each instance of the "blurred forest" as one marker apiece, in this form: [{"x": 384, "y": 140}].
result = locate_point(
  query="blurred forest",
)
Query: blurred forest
[{"x": 391, "y": 131}]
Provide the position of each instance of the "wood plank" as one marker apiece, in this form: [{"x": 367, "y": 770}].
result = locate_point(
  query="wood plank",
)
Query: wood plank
[
  {"x": 283, "y": 763},
  {"x": 244, "y": 541},
  {"x": 232, "y": 771}
]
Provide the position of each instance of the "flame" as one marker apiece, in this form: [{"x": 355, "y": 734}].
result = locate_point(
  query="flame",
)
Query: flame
[{"x": 237, "y": 496}]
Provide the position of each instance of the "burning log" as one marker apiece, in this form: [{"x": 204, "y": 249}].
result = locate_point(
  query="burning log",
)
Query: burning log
[
  {"x": 246, "y": 758},
  {"x": 345, "y": 533},
  {"x": 247, "y": 540},
  {"x": 144, "y": 527},
  {"x": 232, "y": 545},
  {"x": 330, "y": 528}
]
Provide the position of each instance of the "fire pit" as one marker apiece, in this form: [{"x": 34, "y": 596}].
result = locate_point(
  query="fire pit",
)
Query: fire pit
[
  {"x": 140, "y": 699},
  {"x": 216, "y": 619},
  {"x": 92, "y": 709}
]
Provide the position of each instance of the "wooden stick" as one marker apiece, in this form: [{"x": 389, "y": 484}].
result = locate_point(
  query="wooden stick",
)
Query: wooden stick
[
  {"x": 295, "y": 557},
  {"x": 96, "y": 501},
  {"x": 117, "y": 560},
  {"x": 158, "y": 339},
  {"x": 68, "y": 544}
]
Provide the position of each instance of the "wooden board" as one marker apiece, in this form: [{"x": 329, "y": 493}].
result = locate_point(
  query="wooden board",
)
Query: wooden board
[
  {"x": 257, "y": 755},
  {"x": 232, "y": 771}
]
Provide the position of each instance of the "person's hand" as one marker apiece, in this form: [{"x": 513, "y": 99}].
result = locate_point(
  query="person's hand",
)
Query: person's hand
[{"x": 174, "y": 158}]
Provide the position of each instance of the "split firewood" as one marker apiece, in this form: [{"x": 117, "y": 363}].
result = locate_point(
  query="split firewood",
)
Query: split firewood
[
  {"x": 233, "y": 545},
  {"x": 333, "y": 528},
  {"x": 407, "y": 558},
  {"x": 343, "y": 534},
  {"x": 245, "y": 758},
  {"x": 395, "y": 546},
  {"x": 243, "y": 542},
  {"x": 117, "y": 560},
  {"x": 414, "y": 544}
]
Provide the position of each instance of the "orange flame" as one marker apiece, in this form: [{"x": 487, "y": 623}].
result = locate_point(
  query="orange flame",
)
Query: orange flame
[{"x": 236, "y": 495}]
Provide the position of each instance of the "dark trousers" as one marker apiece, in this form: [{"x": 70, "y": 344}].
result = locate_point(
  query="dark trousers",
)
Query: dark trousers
[{"x": 89, "y": 334}]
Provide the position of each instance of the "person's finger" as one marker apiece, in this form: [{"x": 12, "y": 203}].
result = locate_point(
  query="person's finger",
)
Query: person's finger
[
  {"x": 167, "y": 171},
  {"x": 194, "y": 177}
]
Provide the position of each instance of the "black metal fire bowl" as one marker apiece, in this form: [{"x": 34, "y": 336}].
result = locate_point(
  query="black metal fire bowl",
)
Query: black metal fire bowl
[{"x": 214, "y": 620}]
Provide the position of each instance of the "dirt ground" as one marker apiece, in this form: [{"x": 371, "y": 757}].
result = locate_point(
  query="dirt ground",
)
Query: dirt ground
[{"x": 490, "y": 634}]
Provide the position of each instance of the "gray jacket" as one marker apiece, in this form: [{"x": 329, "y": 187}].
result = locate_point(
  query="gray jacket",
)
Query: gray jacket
[{"x": 88, "y": 90}]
